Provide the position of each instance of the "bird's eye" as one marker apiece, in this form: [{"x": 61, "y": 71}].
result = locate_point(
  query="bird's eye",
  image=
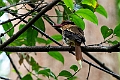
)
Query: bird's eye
[{"x": 65, "y": 24}]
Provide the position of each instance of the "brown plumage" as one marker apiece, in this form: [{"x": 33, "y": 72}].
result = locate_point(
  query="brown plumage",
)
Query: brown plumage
[{"x": 73, "y": 36}]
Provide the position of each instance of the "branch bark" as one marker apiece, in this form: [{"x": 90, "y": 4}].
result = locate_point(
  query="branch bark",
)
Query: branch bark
[{"x": 57, "y": 48}]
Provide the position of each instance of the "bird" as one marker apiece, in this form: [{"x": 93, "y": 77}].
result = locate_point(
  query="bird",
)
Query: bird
[{"x": 73, "y": 36}]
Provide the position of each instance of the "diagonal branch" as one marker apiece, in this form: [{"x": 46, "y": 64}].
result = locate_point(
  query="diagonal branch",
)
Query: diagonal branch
[
  {"x": 97, "y": 61},
  {"x": 102, "y": 69}
]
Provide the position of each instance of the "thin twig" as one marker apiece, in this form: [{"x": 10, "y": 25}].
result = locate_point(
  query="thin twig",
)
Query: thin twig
[
  {"x": 11, "y": 61},
  {"x": 102, "y": 69},
  {"x": 97, "y": 61},
  {"x": 40, "y": 31},
  {"x": 12, "y": 38},
  {"x": 6, "y": 7},
  {"x": 73, "y": 74},
  {"x": 88, "y": 72}
]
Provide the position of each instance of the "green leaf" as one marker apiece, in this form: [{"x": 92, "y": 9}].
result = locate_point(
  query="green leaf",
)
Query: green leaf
[
  {"x": 74, "y": 67},
  {"x": 117, "y": 30},
  {"x": 14, "y": 11},
  {"x": 23, "y": 35},
  {"x": 78, "y": 1},
  {"x": 45, "y": 72},
  {"x": 16, "y": 1},
  {"x": 65, "y": 73},
  {"x": 2, "y": 4},
  {"x": 39, "y": 79},
  {"x": 87, "y": 14},
  {"x": 73, "y": 78},
  {"x": 21, "y": 39},
  {"x": 58, "y": 56},
  {"x": 55, "y": 37},
  {"x": 66, "y": 13},
  {"x": 53, "y": 75},
  {"x": 113, "y": 42},
  {"x": 106, "y": 32},
  {"x": 92, "y": 3},
  {"x": 10, "y": 1},
  {"x": 31, "y": 36},
  {"x": 78, "y": 21},
  {"x": 27, "y": 77},
  {"x": 41, "y": 40},
  {"x": 1, "y": 13},
  {"x": 59, "y": 18},
  {"x": 69, "y": 3},
  {"x": 34, "y": 64},
  {"x": 100, "y": 9},
  {"x": 40, "y": 24},
  {"x": 7, "y": 26}
]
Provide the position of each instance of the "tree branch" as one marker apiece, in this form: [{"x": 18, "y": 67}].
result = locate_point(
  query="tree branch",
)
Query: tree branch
[
  {"x": 56, "y": 48},
  {"x": 109, "y": 72}
]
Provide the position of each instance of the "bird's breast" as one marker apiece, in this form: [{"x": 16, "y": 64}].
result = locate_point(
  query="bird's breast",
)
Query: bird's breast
[{"x": 68, "y": 41}]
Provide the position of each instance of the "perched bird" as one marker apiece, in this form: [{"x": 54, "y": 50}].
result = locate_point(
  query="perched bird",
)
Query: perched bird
[
  {"x": 73, "y": 36},
  {"x": 33, "y": 1}
]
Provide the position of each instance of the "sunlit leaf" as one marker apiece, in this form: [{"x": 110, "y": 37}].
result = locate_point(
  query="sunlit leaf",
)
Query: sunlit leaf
[
  {"x": 106, "y": 32},
  {"x": 87, "y": 14},
  {"x": 92, "y": 3},
  {"x": 117, "y": 30},
  {"x": 65, "y": 73},
  {"x": 69, "y": 3},
  {"x": 100, "y": 9},
  {"x": 58, "y": 56},
  {"x": 78, "y": 21}
]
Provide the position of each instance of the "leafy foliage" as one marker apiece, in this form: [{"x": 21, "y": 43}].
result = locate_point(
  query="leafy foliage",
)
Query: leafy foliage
[
  {"x": 89, "y": 15},
  {"x": 75, "y": 11}
]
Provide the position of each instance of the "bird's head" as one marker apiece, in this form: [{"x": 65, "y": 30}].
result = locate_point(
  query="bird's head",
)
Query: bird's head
[{"x": 65, "y": 22}]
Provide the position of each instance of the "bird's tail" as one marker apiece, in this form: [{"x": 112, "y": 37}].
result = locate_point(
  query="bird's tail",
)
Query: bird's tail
[{"x": 78, "y": 54}]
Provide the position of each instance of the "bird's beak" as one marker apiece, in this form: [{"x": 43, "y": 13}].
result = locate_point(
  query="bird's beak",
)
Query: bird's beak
[{"x": 57, "y": 25}]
